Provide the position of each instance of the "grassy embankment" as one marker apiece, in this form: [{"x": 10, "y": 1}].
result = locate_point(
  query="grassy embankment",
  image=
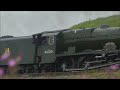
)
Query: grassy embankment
[{"x": 113, "y": 21}]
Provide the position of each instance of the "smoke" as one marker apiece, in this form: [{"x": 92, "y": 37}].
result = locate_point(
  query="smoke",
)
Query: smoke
[{"x": 22, "y": 23}]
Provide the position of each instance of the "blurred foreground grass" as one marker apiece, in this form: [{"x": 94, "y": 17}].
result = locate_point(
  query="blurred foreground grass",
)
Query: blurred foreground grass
[{"x": 92, "y": 74}]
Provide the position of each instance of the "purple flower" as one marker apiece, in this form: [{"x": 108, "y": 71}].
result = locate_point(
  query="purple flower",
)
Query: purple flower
[
  {"x": 11, "y": 63},
  {"x": 1, "y": 72},
  {"x": 114, "y": 67},
  {"x": 4, "y": 56}
]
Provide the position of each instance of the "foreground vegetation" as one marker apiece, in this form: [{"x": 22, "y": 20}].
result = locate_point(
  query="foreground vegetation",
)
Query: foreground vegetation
[{"x": 92, "y": 74}]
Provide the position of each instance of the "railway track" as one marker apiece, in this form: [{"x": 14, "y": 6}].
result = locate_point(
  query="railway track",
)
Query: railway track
[{"x": 69, "y": 72}]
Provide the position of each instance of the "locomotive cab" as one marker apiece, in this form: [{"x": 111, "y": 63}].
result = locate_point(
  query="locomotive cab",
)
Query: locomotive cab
[{"x": 45, "y": 47}]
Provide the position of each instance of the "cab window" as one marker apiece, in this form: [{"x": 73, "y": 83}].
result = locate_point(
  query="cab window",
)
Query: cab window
[
  {"x": 51, "y": 40},
  {"x": 44, "y": 40}
]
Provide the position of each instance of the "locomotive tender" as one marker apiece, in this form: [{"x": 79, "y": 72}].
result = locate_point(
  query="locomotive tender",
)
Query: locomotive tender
[{"x": 66, "y": 50}]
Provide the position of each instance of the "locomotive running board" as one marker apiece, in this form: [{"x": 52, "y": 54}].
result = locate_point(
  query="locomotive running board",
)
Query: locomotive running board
[{"x": 81, "y": 69}]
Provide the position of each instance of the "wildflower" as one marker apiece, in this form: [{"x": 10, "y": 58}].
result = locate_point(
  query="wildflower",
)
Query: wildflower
[
  {"x": 12, "y": 63},
  {"x": 1, "y": 72},
  {"x": 18, "y": 59},
  {"x": 5, "y": 55},
  {"x": 114, "y": 67},
  {"x": 12, "y": 67}
]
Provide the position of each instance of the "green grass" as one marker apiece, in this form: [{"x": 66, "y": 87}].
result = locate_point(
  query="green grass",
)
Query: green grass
[
  {"x": 91, "y": 74},
  {"x": 113, "y": 21}
]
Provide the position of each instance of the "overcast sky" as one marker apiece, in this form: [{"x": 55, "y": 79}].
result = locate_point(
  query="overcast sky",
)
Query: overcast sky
[{"x": 23, "y": 23}]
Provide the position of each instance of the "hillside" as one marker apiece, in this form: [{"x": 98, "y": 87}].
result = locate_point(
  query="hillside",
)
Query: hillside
[{"x": 111, "y": 21}]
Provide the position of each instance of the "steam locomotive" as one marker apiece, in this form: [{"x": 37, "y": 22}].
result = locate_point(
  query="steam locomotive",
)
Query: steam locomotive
[{"x": 65, "y": 50}]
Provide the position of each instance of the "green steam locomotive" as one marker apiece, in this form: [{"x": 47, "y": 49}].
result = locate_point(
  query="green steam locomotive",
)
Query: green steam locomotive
[{"x": 65, "y": 50}]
